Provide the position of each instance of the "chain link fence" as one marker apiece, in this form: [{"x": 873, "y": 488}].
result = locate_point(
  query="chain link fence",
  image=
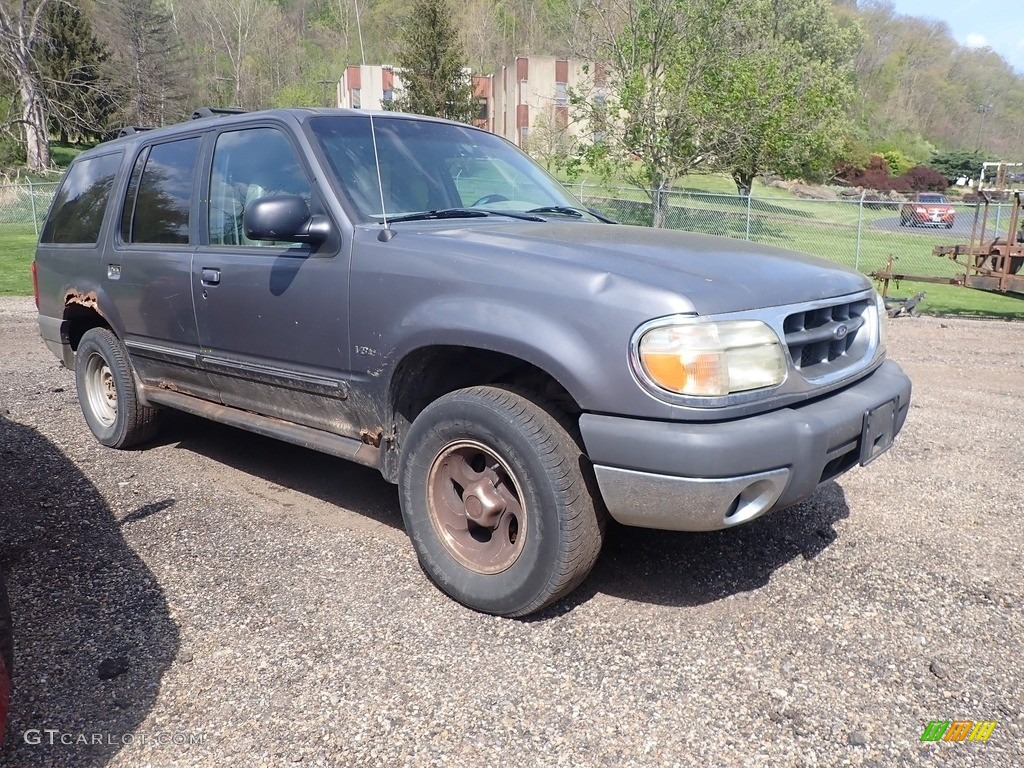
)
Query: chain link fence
[
  {"x": 23, "y": 206},
  {"x": 857, "y": 232},
  {"x": 860, "y": 233}
]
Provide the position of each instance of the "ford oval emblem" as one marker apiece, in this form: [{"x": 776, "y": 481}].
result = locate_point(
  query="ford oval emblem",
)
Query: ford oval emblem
[{"x": 840, "y": 332}]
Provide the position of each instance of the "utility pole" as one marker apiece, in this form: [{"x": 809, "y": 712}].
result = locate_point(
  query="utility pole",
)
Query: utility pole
[
  {"x": 324, "y": 84},
  {"x": 982, "y": 109}
]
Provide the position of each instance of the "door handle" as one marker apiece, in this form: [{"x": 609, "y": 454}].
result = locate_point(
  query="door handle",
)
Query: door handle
[{"x": 210, "y": 277}]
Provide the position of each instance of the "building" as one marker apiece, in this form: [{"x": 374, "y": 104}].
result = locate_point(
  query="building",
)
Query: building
[
  {"x": 529, "y": 95},
  {"x": 532, "y": 94},
  {"x": 368, "y": 86},
  {"x": 372, "y": 86}
]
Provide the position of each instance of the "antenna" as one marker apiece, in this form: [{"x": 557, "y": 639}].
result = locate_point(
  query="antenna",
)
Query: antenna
[
  {"x": 386, "y": 233},
  {"x": 359, "y": 29}
]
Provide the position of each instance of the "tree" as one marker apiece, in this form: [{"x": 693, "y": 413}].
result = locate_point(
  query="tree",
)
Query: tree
[
  {"x": 953, "y": 165},
  {"x": 432, "y": 65},
  {"x": 651, "y": 106},
  {"x": 21, "y": 24},
  {"x": 549, "y": 141},
  {"x": 71, "y": 62},
  {"x": 150, "y": 79},
  {"x": 786, "y": 94},
  {"x": 234, "y": 30}
]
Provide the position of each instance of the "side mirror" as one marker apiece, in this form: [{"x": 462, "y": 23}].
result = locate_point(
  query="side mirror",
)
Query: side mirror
[{"x": 284, "y": 218}]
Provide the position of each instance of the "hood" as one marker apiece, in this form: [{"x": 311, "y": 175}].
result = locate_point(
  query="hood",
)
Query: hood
[{"x": 714, "y": 274}]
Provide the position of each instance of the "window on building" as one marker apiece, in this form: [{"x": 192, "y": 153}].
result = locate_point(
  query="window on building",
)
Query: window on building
[
  {"x": 160, "y": 197},
  {"x": 524, "y": 133},
  {"x": 561, "y": 94},
  {"x": 357, "y": 99},
  {"x": 389, "y": 96},
  {"x": 523, "y": 87},
  {"x": 78, "y": 209}
]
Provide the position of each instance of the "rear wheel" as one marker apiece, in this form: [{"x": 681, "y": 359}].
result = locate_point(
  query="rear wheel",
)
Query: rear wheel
[
  {"x": 499, "y": 500},
  {"x": 107, "y": 394}
]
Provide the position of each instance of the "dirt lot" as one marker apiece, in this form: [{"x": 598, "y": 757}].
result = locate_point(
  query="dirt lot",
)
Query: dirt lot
[{"x": 262, "y": 604}]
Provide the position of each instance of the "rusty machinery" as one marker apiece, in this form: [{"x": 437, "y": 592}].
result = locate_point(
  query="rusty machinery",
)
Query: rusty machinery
[{"x": 988, "y": 263}]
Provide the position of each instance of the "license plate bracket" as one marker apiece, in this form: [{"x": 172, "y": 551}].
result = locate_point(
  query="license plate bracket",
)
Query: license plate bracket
[{"x": 878, "y": 431}]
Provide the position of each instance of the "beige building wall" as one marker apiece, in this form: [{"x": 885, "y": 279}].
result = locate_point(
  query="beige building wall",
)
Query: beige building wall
[
  {"x": 533, "y": 92},
  {"x": 528, "y": 96}
]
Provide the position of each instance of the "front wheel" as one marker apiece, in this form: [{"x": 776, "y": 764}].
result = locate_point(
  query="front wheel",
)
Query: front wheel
[
  {"x": 107, "y": 394},
  {"x": 499, "y": 501}
]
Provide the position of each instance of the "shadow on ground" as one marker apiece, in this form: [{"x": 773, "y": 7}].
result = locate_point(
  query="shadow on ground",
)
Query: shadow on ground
[
  {"x": 670, "y": 568},
  {"x": 689, "y": 569},
  {"x": 336, "y": 482},
  {"x": 92, "y": 632}
]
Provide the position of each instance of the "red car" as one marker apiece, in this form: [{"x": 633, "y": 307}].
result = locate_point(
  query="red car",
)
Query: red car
[{"x": 927, "y": 208}]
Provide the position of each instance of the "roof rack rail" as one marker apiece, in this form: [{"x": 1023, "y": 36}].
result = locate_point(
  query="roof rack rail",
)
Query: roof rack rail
[
  {"x": 130, "y": 130},
  {"x": 217, "y": 112}
]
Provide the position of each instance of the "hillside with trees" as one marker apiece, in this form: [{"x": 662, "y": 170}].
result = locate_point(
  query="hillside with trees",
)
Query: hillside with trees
[{"x": 779, "y": 86}]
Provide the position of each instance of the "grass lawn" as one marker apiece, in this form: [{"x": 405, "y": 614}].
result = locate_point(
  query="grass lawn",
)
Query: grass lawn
[{"x": 17, "y": 247}]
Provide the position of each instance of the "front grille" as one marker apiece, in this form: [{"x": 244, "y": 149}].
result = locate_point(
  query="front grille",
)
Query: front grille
[{"x": 826, "y": 340}]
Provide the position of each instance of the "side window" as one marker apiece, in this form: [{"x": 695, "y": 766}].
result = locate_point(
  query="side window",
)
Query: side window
[
  {"x": 247, "y": 165},
  {"x": 77, "y": 211},
  {"x": 159, "y": 199}
]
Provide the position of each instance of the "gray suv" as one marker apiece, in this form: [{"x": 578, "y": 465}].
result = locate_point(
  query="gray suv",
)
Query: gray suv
[{"x": 420, "y": 297}]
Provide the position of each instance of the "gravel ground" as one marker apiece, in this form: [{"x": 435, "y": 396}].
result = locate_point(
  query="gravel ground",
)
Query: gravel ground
[{"x": 263, "y": 603}]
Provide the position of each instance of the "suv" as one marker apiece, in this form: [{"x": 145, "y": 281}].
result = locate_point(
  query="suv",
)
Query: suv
[{"x": 419, "y": 296}]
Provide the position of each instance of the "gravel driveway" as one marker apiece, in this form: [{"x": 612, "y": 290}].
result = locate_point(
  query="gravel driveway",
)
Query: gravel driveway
[{"x": 261, "y": 603}]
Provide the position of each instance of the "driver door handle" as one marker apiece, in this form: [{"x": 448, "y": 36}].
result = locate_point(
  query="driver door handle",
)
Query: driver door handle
[{"x": 210, "y": 277}]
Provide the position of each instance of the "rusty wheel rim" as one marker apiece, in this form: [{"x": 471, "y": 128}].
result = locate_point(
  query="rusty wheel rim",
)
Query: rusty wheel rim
[
  {"x": 101, "y": 390},
  {"x": 475, "y": 504}
]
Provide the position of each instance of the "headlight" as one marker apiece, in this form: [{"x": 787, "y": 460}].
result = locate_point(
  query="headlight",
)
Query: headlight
[{"x": 700, "y": 358}]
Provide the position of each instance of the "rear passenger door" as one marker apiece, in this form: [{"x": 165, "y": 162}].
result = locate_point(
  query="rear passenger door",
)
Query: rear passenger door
[
  {"x": 149, "y": 269},
  {"x": 272, "y": 316}
]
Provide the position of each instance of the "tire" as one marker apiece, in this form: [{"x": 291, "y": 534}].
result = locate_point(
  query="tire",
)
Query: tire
[
  {"x": 949, "y": 225},
  {"x": 499, "y": 500},
  {"x": 903, "y": 221},
  {"x": 107, "y": 394}
]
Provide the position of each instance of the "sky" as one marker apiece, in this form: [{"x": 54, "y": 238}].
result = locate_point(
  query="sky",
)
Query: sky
[{"x": 998, "y": 24}]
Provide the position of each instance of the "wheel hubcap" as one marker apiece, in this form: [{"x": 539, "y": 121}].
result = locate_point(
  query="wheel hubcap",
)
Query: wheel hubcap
[
  {"x": 475, "y": 505},
  {"x": 101, "y": 390}
]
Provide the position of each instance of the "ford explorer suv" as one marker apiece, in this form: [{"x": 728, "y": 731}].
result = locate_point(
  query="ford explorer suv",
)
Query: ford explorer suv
[{"x": 420, "y": 297}]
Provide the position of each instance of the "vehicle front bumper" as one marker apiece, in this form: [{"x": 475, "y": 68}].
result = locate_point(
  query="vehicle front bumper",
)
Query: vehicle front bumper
[{"x": 707, "y": 476}]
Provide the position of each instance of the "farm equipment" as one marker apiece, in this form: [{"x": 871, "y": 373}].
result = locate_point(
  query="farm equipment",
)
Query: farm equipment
[
  {"x": 988, "y": 263},
  {"x": 895, "y": 307}
]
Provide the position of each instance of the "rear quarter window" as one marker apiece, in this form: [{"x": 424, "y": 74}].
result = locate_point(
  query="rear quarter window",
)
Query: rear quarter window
[
  {"x": 159, "y": 202},
  {"x": 78, "y": 208}
]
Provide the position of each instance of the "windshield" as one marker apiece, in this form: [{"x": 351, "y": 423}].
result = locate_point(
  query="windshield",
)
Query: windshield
[
  {"x": 932, "y": 199},
  {"x": 430, "y": 166}
]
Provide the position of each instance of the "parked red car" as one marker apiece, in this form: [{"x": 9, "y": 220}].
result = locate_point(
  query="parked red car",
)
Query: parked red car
[{"x": 927, "y": 208}]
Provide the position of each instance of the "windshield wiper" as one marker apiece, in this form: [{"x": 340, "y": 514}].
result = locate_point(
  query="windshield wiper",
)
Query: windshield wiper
[
  {"x": 576, "y": 213},
  {"x": 459, "y": 213}
]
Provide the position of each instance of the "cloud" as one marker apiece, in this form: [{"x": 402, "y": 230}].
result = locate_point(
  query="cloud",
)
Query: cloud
[{"x": 974, "y": 40}]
